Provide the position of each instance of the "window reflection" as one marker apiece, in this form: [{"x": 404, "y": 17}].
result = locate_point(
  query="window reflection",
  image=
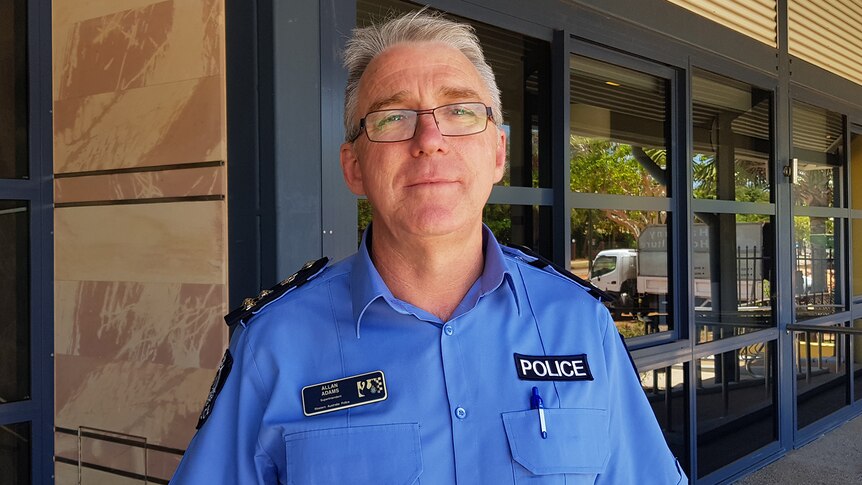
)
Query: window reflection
[
  {"x": 822, "y": 385},
  {"x": 15, "y": 453},
  {"x": 817, "y": 282},
  {"x": 525, "y": 225},
  {"x": 14, "y": 301},
  {"x": 818, "y": 138},
  {"x": 624, "y": 253},
  {"x": 14, "y": 153},
  {"x": 856, "y": 171},
  {"x": 736, "y": 412},
  {"x": 731, "y": 130},
  {"x": 857, "y": 362},
  {"x": 666, "y": 390},
  {"x": 732, "y": 259},
  {"x": 620, "y": 126}
]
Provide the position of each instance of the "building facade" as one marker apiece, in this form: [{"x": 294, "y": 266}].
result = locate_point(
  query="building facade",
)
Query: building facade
[{"x": 162, "y": 160}]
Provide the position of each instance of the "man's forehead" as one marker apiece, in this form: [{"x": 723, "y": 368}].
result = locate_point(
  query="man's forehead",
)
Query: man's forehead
[
  {"x": 451, "y": 93},
  {"x": 396, "y": 75}
]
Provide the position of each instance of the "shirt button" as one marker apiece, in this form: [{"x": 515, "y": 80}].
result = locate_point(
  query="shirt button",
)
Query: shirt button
[
  {"x": 448, "y": 330},
  {"x": 460, "y": 412}
]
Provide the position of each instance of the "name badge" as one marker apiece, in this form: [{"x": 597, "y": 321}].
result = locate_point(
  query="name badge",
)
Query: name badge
[
  {"x": 348, "y": 392},
  {"x": 553, "y": 367}
]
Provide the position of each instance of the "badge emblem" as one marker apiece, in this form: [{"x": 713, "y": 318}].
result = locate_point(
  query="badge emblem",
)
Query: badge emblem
[
  {"x": 220, "y": 378},
  {"x": 345, "y": 393}
]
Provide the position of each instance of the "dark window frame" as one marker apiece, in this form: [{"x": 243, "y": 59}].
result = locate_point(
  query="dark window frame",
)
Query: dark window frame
[{"x": 37, "y": 191}]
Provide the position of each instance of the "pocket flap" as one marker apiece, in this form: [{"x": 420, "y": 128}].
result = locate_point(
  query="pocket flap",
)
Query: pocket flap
[
  {"x": 383, "y": 454},
  {"x": 575, "y": 442}
]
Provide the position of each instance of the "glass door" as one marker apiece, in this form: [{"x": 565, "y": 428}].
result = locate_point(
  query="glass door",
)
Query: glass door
[{"x": 819, "y": 220}]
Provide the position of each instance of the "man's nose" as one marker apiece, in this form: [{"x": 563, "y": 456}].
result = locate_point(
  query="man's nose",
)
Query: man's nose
[{"x": 427, "y": 138}]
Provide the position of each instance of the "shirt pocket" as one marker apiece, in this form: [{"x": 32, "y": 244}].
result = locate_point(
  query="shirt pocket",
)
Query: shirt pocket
[
  {"x": 383, "y": 454},
  {"x": 575, "y": 451}
]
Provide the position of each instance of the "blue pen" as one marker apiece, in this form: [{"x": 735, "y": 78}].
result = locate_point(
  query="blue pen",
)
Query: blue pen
[{"x": 536, "y": 403}]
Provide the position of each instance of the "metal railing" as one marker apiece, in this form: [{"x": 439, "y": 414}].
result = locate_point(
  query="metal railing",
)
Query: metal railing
[{"x": 118, "y": 438}]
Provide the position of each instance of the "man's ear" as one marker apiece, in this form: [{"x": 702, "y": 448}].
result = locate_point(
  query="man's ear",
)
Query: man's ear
[
  {"x": 351, "y": 170},
  {"x": 500, "y": 156}
]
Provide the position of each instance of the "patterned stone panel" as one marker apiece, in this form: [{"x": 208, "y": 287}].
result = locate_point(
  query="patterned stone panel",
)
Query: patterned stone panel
[
  {"x": 165, "y": 124},
  {"x": 169, "y": 324},
  {"x": 103, "y": 46},
  {"x": 138, "y": 398},
  {"x": 142, "y": 185},
  {"x": 182, "y": 242}
]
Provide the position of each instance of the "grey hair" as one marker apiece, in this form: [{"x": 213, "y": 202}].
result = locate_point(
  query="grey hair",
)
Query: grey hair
[{"x": 366, "y": 43}]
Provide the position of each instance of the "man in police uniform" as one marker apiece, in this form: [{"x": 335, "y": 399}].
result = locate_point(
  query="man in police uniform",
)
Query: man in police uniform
[{"x": 433, "y": 355}]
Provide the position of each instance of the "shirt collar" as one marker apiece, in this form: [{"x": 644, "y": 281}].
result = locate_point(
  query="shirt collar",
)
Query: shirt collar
[{"x": 366, "y": 285}]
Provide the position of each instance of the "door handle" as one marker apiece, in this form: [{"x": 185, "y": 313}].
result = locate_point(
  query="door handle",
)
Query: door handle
[{"x": 792, "y": 171}]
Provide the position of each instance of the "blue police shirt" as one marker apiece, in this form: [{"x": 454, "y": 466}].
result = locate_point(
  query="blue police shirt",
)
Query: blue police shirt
[{"x": 457, "y": 405}]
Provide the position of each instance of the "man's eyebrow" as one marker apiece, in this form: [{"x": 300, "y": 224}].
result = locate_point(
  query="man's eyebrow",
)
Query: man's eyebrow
[
  {"x": 382, "y": 103},
  {"x": 459, "y": 93}
]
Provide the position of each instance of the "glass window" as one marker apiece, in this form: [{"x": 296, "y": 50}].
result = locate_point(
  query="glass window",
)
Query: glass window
[
  {"x": 857, "y": 362},
  {"x": 524, "y": 225},
  {"x": 856, "y": 248},
  {"x": 818, "y": 138},
  {"x": 619, "y": 130},
  {"x": 14, "y": 301},
  {"x": 732, "y": 259},
  {"x": 856, "y": 171},
  {"x": 856, "y": 224},
  {"x": 736, "y": 408},
  {"x": 625, "y": 253},
  {"x": 817, "y": 283},
  {"x": 732, "y": 143},
  {"x": 13, "y": 90},
  {"x": 15, "y": 454},
  {"x": 821, "y": 370},
  {"x": 666, "y": 390}
]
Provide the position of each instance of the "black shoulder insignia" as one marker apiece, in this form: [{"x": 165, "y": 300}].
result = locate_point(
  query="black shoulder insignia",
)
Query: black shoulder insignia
[
  {"x": 542, "y": 263},
  {"x": 250, "y": 306}
]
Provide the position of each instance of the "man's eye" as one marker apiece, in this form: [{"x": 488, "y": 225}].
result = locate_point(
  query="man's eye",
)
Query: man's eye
[
  {"x": 390, "y": 119},
  {"x": 461, "y": 111}
]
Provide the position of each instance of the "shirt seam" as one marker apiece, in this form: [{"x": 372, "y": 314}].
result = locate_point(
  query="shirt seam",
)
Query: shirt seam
[
  {"x": 538, "y": 330},
  {"x": 338, "y": 335},
  {"x": 268, "y": 397}
]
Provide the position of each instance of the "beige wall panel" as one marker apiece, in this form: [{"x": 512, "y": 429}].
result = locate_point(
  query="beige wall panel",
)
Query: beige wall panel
[
  {"x": 159, "y": 402},
  {"x": 169, "y": 324},
  {"x": 114, "y": 50},
  {"x": 180, "y": 242},
  {"x": 142, "y": 185},
  {"x": 754, "y": 18},
  {"x": 827, "y": 34},
  {"x": 165, "y": 124}
]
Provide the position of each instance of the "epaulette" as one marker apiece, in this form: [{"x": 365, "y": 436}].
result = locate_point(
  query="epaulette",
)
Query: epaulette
[
  {"x": 542, "y": 263},
  {"x": 250, "y": 306}
]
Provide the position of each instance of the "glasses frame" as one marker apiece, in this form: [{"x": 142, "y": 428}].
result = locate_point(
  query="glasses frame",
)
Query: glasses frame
[{"x": 489, "y": 112}]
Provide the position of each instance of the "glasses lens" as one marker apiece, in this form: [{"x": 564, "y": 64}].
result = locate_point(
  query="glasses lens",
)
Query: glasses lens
[
  {"x": 461, "y": 119},
  {"x": 390, "y": 125}
]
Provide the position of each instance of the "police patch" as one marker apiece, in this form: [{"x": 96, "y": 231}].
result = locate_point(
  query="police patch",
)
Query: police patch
[
  {"x": 553, "y": 367},
  {"x": 344, "y": 393},
  {"x": 220, "y": 378}
]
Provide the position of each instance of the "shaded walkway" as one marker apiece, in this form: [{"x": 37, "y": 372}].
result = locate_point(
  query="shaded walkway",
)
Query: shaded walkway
[{"x": 834, "y": 458}]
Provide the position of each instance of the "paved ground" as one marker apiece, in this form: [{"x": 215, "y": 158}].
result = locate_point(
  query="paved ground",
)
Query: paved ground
[{"x": 834, "y": 458}]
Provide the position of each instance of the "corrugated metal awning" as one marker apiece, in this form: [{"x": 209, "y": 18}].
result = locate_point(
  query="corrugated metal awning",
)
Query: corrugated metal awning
[
  {"x": 754, "y": 18},
  {"x": 828, "y": 34}
]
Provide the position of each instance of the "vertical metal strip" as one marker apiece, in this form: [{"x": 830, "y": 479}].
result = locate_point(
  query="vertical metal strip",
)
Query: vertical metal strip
[{"x": 561, "y": 209}]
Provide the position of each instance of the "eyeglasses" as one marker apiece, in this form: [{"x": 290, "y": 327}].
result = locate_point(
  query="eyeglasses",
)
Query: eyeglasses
[{"x": 393, "y": 125}]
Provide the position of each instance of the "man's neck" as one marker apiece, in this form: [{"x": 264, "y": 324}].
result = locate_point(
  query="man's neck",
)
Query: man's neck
[{"x": 433, "y": 274}]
